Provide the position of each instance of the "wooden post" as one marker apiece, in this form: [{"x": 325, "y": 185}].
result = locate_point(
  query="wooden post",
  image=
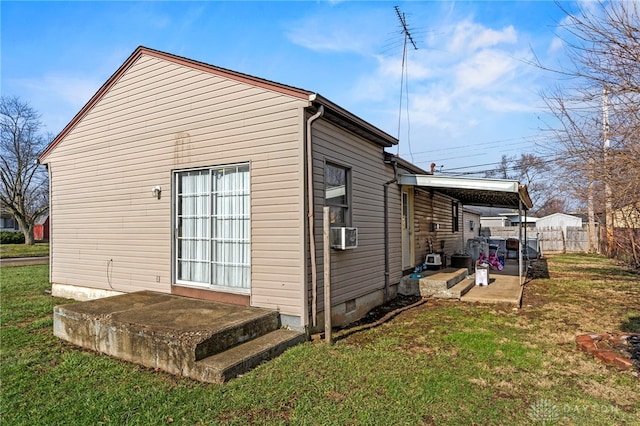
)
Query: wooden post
[{"x": 327, "y": 275}]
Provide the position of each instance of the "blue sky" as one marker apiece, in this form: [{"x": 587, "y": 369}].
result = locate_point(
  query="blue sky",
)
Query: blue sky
[{"x": 471, "y": 94}]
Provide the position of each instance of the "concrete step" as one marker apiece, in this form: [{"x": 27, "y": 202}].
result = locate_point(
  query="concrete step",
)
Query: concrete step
[
  {"x": 433, "y": 282},
  {"x": 236, "y": 333},
  {"x": 438, "y": 284},
  {"x": 457, "y": 291},
  {"x": 226, "y": 365}
]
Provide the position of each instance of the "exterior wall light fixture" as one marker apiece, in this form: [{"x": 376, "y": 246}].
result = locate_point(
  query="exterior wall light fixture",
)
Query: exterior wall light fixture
[{"x": 156, "y": 191}]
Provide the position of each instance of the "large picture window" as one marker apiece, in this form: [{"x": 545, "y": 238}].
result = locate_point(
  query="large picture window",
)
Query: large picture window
[
  {"x": 212, "y": 227},
  {"x": 336, "y": 189}
]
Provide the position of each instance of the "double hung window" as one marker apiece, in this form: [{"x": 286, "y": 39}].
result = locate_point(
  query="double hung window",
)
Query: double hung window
[{"x": 337, "y": 196}]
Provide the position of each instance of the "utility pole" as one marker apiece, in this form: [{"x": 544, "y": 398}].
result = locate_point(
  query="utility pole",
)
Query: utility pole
[
  {"x": 608, "y": 213},
  {"x": 593, "y": 247}
]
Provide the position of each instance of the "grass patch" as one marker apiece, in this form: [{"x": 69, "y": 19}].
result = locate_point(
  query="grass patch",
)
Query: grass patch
[
  {"x": 440, "y": 363},
  {"x": 23, "y": 250}
]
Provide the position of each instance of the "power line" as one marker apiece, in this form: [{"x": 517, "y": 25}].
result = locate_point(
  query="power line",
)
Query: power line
[
  {"x": 549, "y": 158},
  {"x": 552, "y": 158},
  {"x": 484, "y": 144}
]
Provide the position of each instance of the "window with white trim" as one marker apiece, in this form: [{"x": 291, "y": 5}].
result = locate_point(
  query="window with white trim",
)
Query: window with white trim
[
  {"x": 337, "y": 196},
  {"x": 212, "y": 227}
]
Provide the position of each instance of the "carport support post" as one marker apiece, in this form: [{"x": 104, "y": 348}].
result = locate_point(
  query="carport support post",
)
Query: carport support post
[
  {"x": 521, "y": 245},
  {"x": 327, "y": 275}
]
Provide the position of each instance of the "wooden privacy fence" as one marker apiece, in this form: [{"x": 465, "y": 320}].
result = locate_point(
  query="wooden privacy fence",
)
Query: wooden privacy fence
[{"x": 550, "y": 240}]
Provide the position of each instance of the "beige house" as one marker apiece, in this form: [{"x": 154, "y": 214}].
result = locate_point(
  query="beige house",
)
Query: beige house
[
  {"x": 627, "y": 216},
  {"x": 186, "y": 178}
]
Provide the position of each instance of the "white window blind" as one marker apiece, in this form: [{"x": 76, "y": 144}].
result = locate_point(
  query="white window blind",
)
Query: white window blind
[{"x": 213, "y": 227}]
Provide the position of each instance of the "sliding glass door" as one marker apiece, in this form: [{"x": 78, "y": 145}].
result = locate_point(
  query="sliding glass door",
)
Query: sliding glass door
[{"x": 212, "y": 228}]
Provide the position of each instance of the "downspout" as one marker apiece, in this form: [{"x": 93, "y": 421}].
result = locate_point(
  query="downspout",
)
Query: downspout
[
  {"x": 310, "y": 218},
  {"x": 386, "y": 227}
]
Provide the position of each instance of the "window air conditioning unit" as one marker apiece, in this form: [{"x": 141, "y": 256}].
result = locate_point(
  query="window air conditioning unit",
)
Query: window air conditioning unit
[{"x": 344, "y": 238}]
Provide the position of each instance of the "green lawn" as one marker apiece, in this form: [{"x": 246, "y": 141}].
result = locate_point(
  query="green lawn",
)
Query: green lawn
[
  {"x": 440, "y": 363},
  {"x": 22, "y": 250}
]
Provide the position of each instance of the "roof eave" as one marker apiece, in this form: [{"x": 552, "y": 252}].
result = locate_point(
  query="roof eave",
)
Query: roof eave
[{"x": 340, "y": 114}]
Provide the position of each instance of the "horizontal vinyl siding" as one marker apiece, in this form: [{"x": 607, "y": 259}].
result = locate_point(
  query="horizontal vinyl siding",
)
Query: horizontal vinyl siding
[
  {"x": 161, "y": 117},
  {"x": 422, "y": 216},
  {"x": 433, "y": 207},
  {"x": 357, "y": 272}
]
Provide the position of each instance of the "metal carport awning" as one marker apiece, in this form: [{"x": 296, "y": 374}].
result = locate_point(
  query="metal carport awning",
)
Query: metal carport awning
[
  {"x": 475, "y": 192},
  {"x": 502, "y": 193}
]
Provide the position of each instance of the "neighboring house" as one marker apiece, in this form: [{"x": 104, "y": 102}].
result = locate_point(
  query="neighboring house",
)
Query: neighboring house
[
  {"x": 186, "y": 178},
  {"x": 8, "y": 223},
  {"x": 494, "y": 221},
  {"x": 559, "y": 220},
  {"x": 515, "y": 220},
  {"x": 470, "y": 223},
  {"x": 507, "y": 219},
  {"x": 41, "y": 228},
  {"x": 627, "y": 217}
]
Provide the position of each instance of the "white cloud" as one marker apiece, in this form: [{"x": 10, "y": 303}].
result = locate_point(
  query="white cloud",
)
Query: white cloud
[
  {"x": 337, "y": 29},
  {"x": 505, "y": 104},
  {"x": 384, "y": 80},
  {"x": 556, "y": 46},
  {"x": 57, "y": 97},
  {"x": 482, "y": 70},
  {"x": 470, "y": 36},
  {"x": 336, "y": 40},
  {"x": 470, "y": 82}
]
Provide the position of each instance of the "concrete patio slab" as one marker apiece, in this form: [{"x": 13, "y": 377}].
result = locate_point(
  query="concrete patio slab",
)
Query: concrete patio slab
[
  {"x": 504, "y": 287},
  {"x": 172, "y": 333}
]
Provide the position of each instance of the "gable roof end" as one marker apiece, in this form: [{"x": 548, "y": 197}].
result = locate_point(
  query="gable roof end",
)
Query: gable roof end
[
  {"x": 141, "y": 50},
  {"x": 336, "y": 114}
]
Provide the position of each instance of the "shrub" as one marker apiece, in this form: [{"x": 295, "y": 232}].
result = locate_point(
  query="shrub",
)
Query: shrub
[{"x": 11, "y": 238}]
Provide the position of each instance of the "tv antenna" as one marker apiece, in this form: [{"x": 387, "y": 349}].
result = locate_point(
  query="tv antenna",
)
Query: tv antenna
[
  {"x": 405, "y": 29},
  {"x": 404, "y": 76}
]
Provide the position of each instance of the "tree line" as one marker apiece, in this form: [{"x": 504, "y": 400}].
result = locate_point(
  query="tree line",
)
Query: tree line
[{"x": 24, "y": 184}]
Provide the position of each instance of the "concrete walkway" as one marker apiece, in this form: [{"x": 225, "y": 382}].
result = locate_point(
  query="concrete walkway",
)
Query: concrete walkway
[
  {"x": 24, "y": 261},
  {"x": 504, "y": 287}
]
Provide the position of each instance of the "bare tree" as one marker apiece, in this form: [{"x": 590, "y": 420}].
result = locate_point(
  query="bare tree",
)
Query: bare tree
[
  {"x": 530, "y": 170},
  {"x": 503, "y": 171},
  {"x": 24, "y": 185},
  {"x": 598, "y": 108},
  {"x": 552, "y": 205}
]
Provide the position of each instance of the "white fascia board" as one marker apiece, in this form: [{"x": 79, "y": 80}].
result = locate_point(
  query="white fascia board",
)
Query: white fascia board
[{"x": 497, "y": 185}]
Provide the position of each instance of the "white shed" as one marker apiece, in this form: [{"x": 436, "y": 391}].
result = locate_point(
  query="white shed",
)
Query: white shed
[{"x": 559, "y": 220}]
